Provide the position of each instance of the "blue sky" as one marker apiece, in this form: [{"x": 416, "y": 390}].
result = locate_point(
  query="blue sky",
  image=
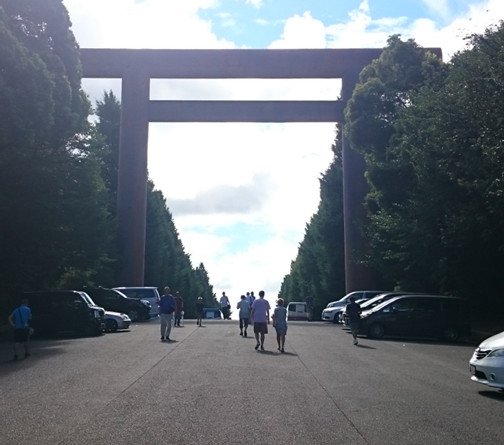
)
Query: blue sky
[{"x": 241, "y": 194}]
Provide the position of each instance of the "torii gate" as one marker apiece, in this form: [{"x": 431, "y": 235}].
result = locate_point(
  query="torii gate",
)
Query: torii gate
[{"x": 137, "y": 66}]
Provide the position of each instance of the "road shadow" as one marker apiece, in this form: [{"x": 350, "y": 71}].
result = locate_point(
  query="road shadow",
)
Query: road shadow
[
  {"x": 267, "y": 352},
  {"x": 39, "y": 350},
  {"x": 364, "y": 346},
  {"x": 495, "y": 395}
]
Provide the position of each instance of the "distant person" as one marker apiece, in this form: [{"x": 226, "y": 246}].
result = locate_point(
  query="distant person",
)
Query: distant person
[
  {"x": 199, "y": 310},
  {"x": 244, "y": 314},
  {"x": 280, "y": 323},
  {"x": 166, "y": 310},
  {"x": 179, "y": 308},
  {"x": 20, "y": 319},
  {"x": 260, "y": 317},
  {"x": 309, "y": 307},
  {"x": 225, "y": 306},
  {"x": 252, "y": 298},
  {"x": 353, "y": 311},
  {"x": 249, "y": 299}
]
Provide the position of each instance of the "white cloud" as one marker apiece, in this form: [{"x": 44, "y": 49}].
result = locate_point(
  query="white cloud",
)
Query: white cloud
[
  {"x": 301, "y": 32},
  {"x": 438, "y": 7},
  {"x": 148, "y": 24},
  {"x": 254, "y": 3}
]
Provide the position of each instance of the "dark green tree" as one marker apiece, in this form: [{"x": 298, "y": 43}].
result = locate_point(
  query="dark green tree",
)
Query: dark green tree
[{"x": 53, "y": 224}]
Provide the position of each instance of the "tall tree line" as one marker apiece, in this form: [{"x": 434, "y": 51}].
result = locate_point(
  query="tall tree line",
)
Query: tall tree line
[
  {"x": 432, "y": 138},
  {"x": 59, "y": 173}
]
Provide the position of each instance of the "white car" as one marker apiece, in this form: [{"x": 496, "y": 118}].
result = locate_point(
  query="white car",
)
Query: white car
[
  {"x": 335, "y": 308},
  {"x": 115, "y": 321},
  {"x": 487, "y": 362}
]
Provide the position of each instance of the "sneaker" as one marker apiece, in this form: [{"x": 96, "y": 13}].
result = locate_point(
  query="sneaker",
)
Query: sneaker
[
  {"x": 283, "y": 350},
  {"x": 245, "y": 334},
  {"x": 262, "y": 348},
  {"x": 162, "y": 339},
  {"x": 355, "y": 342},
  {"x": 241, "y": 333},
  {"x": 257, "y": 346}
]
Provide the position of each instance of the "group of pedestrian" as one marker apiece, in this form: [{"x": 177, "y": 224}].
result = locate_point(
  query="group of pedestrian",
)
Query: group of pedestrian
[{"x": 257, "y": 312}]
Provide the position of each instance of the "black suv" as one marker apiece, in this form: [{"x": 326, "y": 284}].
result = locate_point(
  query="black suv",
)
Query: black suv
[
  {"x": 114, "y": 300},
  {"x": 417, "y": 316},
  {"x": 65, "y": 311}
]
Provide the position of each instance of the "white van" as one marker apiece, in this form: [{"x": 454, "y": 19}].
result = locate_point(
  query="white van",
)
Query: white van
[
  {"x": 296, "y": 310},
  {"x": 148, "y": 293}
]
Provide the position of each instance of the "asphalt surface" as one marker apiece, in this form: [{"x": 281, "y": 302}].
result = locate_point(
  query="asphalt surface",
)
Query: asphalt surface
[{"x": 210, "y": 386}]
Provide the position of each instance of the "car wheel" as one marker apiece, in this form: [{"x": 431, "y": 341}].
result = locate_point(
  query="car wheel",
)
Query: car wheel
[
  {"x": 133, "y": 315},
  {"x": 336, "y": 317},
  {"x": 376, "y": 330},
  {"x": 451, "y": 334},
  {"x": 111, "y": 325}
]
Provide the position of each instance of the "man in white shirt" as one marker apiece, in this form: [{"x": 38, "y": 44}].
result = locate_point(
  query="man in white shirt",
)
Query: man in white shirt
[
  {"x": 225, "y": 306},
  {"x": 260, "y": 317}
]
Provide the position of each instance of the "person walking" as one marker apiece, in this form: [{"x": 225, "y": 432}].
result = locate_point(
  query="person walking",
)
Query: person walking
[
  {"x": 19, "y": 319},
  {"x": 166, "y": 309},
  {"x": 353, "y": 311},
  {"x": 280, "y": 323},
  {"x": 244, "y": 314},
  {"x": 309, "y": 307},
  {"x": 225, "y": 306},
  {"x": 260, "y": 316},
  {"x": 179, "y": 307},
  {"x": 199, "y": 310}
]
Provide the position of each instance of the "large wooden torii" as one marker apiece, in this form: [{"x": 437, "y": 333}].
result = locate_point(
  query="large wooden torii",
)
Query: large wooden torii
[{"x": 137, "y": 66}]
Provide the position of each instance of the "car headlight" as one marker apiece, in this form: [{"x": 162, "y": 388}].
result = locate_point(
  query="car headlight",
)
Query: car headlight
[{"x": 496, "y": 353}]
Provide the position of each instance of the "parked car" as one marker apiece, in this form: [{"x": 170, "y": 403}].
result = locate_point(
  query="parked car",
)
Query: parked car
[
  {"x": 116, "y": 301},
  {"x": 148, "y": 293},
  {"x": 368, "y": 304},
  {"x": 65, "y": 311},
  {"x": 212, "y": 313},
  {"x": 487, "y": 363},
  {"x": 333, "y": 309},
  {"x": 296, "y": 310},
  {"x": 417, "y": 316},
  {"x": 115, "y": 321}
]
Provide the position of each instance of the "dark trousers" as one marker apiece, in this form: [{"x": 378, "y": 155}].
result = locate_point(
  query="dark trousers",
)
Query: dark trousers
[{"x": 244, "y": 322}]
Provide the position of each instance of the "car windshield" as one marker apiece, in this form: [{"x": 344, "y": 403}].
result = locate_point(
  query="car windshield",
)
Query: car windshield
[
  {"x": 88, "y": 299},
  {"x": 380, "y": 306}
]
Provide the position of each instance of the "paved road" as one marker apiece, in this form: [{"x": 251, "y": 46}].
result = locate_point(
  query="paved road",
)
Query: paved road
[{"x": 212, "y": 387}]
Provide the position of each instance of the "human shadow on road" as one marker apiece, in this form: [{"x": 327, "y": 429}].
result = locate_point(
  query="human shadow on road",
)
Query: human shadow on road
[
  {"x": 364, "y": 346},
  {"x": 266, "y": 352},
  {"x": 496, "y": 395},
  {"x": 287, "y": 353}
]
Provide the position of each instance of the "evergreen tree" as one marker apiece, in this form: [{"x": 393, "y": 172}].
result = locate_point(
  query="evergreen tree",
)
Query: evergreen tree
[{"x": 54, "y": 228}]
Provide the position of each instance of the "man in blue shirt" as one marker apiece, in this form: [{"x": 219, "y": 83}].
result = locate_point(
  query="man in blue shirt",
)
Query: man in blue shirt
[
  {"x": 166, "y": 309},
  {"x": 20, "y": 321}
]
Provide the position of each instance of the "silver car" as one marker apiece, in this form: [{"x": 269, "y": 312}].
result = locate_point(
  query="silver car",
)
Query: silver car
[
  {"x": 115, "y": 321},
  {"x": 487, "y": 363}
]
